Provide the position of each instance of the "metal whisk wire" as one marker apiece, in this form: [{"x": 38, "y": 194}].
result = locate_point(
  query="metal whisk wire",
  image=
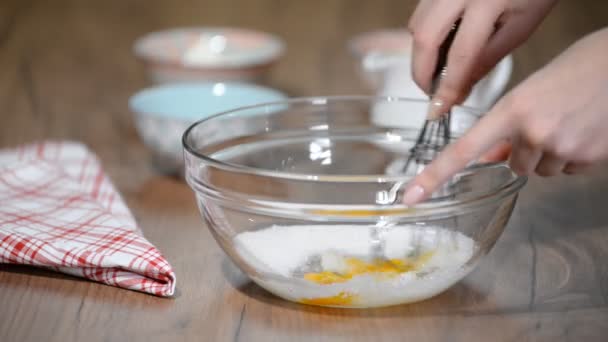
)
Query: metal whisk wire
[
  {"x": 435, "y": 133},
  {"x": 433, "y": 137}
]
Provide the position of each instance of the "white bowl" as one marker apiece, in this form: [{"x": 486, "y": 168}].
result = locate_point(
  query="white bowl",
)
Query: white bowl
[
  {"x": 163, "y": 113},
  {"x": 376, "y": 51},
  {"x": 385, "y": 64},
  {"x": 208, "y": 53},
  {"x": 398, "y": 82}
]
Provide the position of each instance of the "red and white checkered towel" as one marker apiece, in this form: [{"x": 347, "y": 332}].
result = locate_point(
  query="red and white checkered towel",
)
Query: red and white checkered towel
[{"x": 59, "y": 210}]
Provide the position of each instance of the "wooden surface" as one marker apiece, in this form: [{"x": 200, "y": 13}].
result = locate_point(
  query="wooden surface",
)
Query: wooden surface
[{"x": 66, "y": 71}]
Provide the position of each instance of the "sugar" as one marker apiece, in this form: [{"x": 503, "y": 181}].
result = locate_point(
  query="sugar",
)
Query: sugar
[{"x": 281, "y": 254}]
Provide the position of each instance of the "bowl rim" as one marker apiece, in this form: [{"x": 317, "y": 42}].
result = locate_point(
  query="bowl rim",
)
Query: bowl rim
[
  {"x": 506, "y": 189},
  {"x": 277, "y": 48},
  {"x": 315, "y": 100}
]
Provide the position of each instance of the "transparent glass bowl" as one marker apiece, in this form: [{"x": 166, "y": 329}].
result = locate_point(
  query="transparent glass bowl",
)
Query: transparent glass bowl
[{"x": 289, "y": 191}]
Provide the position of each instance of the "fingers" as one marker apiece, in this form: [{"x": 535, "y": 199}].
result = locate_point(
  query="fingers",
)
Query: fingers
[
  {"x": 473, "y": 35},
  {"x": 550, "y": 165},
  {"x": 429, "y": 33},
  {"x": 512, "y": 31},
  {"x": 500, "y": 152},
  {"x": 488, "y": 137},
  {"x": 524, "y": 157},
  {"x": 420, "y": 13},
  {"x": 499, "y": 46},
  {"x": 576, "y": 168},
  {"x": 491, "y": 129}
]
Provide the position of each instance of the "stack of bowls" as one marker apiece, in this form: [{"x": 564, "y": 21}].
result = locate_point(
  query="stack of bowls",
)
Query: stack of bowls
[{"x": 198, "y": 72}]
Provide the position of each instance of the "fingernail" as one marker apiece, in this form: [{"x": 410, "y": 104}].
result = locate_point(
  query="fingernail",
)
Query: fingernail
[
  {"x": 435, "y": 108},
  {"x": 413, "y": 195}
]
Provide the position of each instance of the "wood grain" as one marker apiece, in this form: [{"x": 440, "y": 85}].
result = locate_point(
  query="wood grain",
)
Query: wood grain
[{"x": 66, "y": 72}]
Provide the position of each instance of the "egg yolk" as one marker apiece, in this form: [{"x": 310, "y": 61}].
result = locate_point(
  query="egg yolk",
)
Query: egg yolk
[
  {"x": 355, "y": 267},
  {"x": 341, "y": 299},
  {"x": 361, "y": 213},
  {"x": 380, "y": 267}
]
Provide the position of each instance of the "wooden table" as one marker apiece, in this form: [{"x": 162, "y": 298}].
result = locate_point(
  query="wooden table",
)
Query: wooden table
[{"x": 66, "y": 71}]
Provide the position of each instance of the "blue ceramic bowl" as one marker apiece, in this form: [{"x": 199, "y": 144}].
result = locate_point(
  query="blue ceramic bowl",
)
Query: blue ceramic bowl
[{"x": 163, "y": 113}]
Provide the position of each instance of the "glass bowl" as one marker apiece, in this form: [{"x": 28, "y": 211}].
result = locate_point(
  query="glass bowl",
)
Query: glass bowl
[{"x": 289, "y": 191}]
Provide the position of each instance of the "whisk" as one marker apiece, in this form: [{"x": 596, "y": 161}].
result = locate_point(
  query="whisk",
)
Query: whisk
[{"x": 435, "y": 133}]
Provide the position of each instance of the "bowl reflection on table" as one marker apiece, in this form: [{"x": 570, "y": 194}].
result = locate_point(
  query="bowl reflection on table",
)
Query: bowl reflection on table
[{"x": 289, "y": 190}]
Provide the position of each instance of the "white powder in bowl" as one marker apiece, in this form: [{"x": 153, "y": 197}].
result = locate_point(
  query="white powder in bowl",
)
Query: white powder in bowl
[{"x": 333, "y": 265}]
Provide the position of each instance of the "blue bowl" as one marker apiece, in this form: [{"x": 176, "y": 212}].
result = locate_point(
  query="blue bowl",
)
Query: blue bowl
[{"x": 164, "y": 112}]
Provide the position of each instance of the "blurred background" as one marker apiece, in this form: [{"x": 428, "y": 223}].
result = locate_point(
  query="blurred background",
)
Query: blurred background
[{"x": 67, "y": 67}]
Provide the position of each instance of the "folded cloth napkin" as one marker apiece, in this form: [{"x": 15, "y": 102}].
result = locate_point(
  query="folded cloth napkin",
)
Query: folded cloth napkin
[{"x": 59, "y": 210}]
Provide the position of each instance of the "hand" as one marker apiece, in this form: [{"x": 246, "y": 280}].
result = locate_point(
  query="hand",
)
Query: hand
[
  {"x": 490, "y": 29},
  {"x": 555, "y": 122}
]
